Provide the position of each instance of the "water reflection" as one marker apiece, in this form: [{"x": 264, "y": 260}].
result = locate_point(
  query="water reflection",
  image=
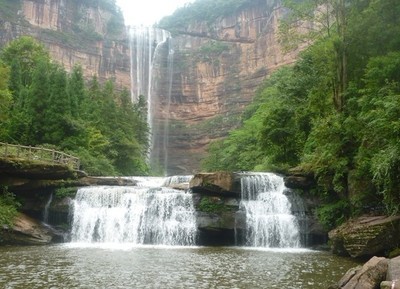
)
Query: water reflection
[{"x": 161, "y": 267}]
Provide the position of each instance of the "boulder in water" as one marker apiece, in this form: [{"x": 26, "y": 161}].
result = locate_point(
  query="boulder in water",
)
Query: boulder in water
[
  {"x": 378, "y": 272},
  {"x": 368, "y": 276}
]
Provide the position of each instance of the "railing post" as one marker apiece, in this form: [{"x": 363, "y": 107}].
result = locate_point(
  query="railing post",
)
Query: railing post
[{"x": 30, "y": 153}]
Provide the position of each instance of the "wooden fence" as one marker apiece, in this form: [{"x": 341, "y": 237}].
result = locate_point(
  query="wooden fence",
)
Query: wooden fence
[{"x": 39, "y": 154}]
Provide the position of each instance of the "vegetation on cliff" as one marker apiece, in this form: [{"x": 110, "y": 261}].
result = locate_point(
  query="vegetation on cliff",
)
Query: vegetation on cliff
[
  {"x": 204, "y": 10},
  {"x": 334, "y": 113},
  {"x": 43, "y": 105}
]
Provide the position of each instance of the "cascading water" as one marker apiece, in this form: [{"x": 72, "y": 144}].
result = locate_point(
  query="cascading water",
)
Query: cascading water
[
  {"x": 46, "y": 210},
  {"x": 269, "y": 221},
  {"x": 151, "y": 77},
  {"x": 136, "y": 215}
]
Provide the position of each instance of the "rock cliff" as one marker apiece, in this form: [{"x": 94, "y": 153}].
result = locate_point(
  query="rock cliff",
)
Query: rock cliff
[
  {"x": 75, "y": 32},
  {"x": 217, "y": 70}
]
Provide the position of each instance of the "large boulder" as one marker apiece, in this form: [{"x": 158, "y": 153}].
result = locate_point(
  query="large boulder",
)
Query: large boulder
[
  {"x": 368, "y": 276},
  {"x": 366, "y": 236},
  {"x": 378, "y": 272},
  {"x": 218, "y": 183}
]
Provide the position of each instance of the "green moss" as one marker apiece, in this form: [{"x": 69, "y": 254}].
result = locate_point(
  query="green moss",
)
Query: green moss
[
  {"x": 394, "y": 253},
  {"x": 66, "y": 192},
  {"x": 212, "y": 205}
]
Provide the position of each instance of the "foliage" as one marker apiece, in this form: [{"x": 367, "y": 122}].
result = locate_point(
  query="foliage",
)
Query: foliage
[
  {"x": 334, "y": 113},
  {"x": 94, "y": 121},
  {"x": 212, "y": 205},
  {"x": 334, "y": 214},
  {"x": 65, "y": 192},
  {"x": 203, "y": 10},
  {"x": 8, "y": 207}
]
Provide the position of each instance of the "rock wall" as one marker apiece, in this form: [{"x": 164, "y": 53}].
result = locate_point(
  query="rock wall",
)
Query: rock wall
[
  {"x": 217, "y": 67},
  {"x": 217, "y": 70},
  {"x": 74, "y": 33}
]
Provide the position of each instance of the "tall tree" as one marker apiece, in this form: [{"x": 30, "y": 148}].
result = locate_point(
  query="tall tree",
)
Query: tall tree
[{"x": 310, "y": 20}]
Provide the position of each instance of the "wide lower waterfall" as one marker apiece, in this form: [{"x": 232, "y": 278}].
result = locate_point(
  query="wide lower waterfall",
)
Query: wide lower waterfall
[
  {"x": 138, "y": 215},
  {"x": 269, "y": 221}
]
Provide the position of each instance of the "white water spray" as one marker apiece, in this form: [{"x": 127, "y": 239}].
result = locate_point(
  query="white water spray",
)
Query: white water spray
[
  {"x": 269, "y": 221},
  {"x": 46, "y": 210},
  {"x": 135, "y": 215}
]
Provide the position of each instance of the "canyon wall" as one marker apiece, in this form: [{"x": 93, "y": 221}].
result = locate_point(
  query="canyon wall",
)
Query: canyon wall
[
  {"x": 74, "y": 33},
  {"x": 217, "y": 70}
]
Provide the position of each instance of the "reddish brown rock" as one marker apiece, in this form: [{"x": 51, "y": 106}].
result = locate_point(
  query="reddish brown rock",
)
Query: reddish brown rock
[{"x": 26, "y": 231}]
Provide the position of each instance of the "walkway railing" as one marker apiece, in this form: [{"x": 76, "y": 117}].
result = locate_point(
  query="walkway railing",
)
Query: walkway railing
[{"x": 39, "y": 154}]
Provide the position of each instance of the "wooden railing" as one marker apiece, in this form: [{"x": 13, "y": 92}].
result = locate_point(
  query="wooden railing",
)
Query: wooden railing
[{"x": 39, "y": 154}]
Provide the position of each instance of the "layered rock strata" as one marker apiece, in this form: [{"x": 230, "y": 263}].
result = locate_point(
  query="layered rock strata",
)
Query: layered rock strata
[
  {"x": 366, "y": 236},
  {"x": 74, "y": 33},
  {"x": 217, "y": 70}
]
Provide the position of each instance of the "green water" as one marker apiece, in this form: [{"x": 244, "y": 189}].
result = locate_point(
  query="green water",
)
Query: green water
[{"x": 74, "y": 266}]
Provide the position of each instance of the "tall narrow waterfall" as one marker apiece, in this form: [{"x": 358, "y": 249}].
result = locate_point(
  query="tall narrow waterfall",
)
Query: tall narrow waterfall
[
  {"x": 136, "y": 215},
  {"x": 269, "y": 221},
  {"x": 151, "y": 77}
]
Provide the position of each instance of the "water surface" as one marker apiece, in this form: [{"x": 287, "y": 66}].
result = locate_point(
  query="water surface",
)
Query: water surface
[{"x": 80, "y": 266}]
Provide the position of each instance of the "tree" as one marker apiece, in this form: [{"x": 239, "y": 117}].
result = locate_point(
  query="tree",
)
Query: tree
[
  {"x": 5, "y": 93},
  {"x": 76, "y": 91},
  {"x": 24, "y": 53},
  {"x": 310, "y": 20},
  {"x": 379, "y": 153}
]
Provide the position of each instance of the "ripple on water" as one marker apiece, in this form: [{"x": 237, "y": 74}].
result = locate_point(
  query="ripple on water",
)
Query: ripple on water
[{"x": 150, "y": 267}]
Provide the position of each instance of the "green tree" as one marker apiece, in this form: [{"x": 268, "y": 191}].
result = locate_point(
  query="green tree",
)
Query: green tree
[
  {"x": 379, "y": 152},
  {"x": 5, "y": 93},
  {"x": 24, "y": 53},
  {"x": 310, "y": 20}
]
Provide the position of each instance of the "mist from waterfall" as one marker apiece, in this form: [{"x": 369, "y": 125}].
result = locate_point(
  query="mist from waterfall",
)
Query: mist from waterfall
[
  {"x": 269, "y": 221},
  {"x": 143, "y": 214},
  {"x": 152, "y": 58}
]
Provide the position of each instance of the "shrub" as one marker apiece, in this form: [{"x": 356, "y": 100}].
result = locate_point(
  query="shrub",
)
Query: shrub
[{"x": 8, "y": 207}]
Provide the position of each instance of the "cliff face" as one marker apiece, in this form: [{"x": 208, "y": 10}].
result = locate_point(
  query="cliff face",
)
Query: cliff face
[
  {"x": 217, "y": 70},
  {"x": 74, "y": 33}
]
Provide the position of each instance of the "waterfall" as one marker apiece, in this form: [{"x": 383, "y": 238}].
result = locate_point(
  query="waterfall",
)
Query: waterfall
[
  {"x": 151, "y": 77},
  {"x": 176, "y": 180},
  {"x": 46, "y": 210},
  {"x": 136, "y": 215},
  {"x": 269, "y": 221}
]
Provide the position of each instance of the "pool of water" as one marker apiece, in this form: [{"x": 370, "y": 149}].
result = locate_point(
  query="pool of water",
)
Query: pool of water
[{"x": 124, "y": 266}]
